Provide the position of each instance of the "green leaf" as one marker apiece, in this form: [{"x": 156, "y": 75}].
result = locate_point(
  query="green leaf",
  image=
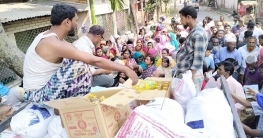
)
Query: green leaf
[{"x": 117, "y": 5}]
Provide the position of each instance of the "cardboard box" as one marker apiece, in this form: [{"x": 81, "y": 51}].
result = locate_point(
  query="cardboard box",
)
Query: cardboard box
[
  {"x": 83, "y": 119},
  {"x": 149, "y": 95}
]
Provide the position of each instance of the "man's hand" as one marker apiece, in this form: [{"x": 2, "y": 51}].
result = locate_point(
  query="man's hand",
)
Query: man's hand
[
  {"x": 121, "y": 80},
  {"x": 132, "y": 75},
  {"x": 252, "y": 91}
]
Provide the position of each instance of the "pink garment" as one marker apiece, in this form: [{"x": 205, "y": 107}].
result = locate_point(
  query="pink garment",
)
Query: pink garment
[
  {"x": 159, "y": 47},
  {"x": 260, "y": 57},
  {"x": 235, "y": 87},
  {"x": 152, "y": 52}
]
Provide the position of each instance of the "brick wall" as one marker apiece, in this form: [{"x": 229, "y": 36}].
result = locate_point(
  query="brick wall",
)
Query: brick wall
[{"x": 27, "y": 24}]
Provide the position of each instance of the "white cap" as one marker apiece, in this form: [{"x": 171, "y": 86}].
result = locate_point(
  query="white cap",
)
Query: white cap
[
  {"x": 251, "y": 59},
  {"x": 117, "y": 36},
  {"x": 231, "y": 39}
]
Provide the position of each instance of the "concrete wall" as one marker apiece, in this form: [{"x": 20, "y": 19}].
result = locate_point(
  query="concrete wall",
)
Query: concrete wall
[{"x": 228, "y": 4}]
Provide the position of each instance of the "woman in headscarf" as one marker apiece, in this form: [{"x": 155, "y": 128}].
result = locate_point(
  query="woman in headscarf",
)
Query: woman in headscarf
[
  {"x": 165, "y": 70},
  {"x": 173, "y": 41},
  {"x": 139, "y": 46},
  {"x": 139, "y": 58},
  {"x": 165, "y": 52},
  {"x": 99, "y": 53},
  {"x": 150, "y": 68},
  {"x": 158, "y": 43},
  {"x": 127, "y": 59}
]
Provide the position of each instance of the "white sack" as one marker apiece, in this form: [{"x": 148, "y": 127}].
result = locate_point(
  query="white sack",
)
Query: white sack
[
  {"x": 153, "y": 123},
  {"x": 183, "y": 89},
  {"x": 32, "y": 122},
  {"x": 171, "y": 108},
  {"x": 210, "y": 114},
  {"x": 8, "y": 134},
  {"x": 55, "y": 129}
]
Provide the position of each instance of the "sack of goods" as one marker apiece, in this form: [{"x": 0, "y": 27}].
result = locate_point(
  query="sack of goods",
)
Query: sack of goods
[
  {"x": 152, "y": 121},
  {"x": 183, "y": 89},
  {"x": 32, "y": 122},
  {"x": 210, "y": 114},
  {"x": 171, "y": 108},
  {"x": 55, "y": 129},
  {"x": 8, "y": 134}
]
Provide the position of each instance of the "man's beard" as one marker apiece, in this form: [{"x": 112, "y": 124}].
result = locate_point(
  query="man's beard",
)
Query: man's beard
[
  {"x": 71, "y": 32},
  {"x": 251, "y": 70},
  {"x": 229, "y": 49},
  {"x": 185, "y": 26}
]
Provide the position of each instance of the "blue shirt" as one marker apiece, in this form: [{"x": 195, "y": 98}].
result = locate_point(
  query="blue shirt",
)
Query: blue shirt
[
  {"x": 223, "y": 54},
  {"x": 210, "y": 62},
  {"x": 259, "y": 97}
]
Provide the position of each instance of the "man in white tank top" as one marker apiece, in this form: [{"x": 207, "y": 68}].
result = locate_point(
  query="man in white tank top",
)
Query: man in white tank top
[{"x": 47, "y": 76}]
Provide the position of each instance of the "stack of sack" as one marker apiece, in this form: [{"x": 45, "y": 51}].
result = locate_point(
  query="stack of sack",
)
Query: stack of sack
[
  {"x": 35, "y": 122},
  {"x": 162, "y": 118},
  {"x": 191, "y": 114}
]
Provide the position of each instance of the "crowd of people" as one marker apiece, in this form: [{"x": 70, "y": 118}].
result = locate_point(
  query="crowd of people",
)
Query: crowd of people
[{"x": 55, "y": 69}]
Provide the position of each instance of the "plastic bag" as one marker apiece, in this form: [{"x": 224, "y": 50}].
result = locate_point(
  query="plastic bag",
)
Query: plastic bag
[
  {"x": 32, "y": 122},
  {"x": 55, "y": 129},
  {"x": 212, "y": 83},
  {"x": 8, "y": 134},
  {"x": 183, "y": 89},
  {"x": 171, "y": 108},
  {"x": 153, "y": 123},
  {"x": 210, "y": 114}
]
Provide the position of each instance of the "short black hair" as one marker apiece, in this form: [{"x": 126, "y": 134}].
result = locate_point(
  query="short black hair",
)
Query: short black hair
[
  {"x": 209, "y": 47},
  {"x": 235, "y": 62},
  {"x": 209, "y": 18},
  {"x": 250, "y": 25},
  {"x": 60, "y": 12},
  {"x": 182, "y": 39},
  {"x": 96, "y": 30},
  {"x": 130, "y": 41},
  {"x": 228, "y": 66},
  {"x": 189, "y": 10},
  {"x": 220, "y": 31},
  {"x": 227, "y": 25},
  {"x": 260, "y": 37},
  {"x": 248, "y": 34},
  {"x": 252, "y": 37}
]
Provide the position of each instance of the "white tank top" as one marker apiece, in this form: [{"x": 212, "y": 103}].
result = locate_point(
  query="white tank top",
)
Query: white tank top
[{"x": 37, "y": 71}]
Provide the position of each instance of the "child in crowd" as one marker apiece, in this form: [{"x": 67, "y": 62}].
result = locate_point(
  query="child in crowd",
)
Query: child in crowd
[{"x": 208, "y": 59}]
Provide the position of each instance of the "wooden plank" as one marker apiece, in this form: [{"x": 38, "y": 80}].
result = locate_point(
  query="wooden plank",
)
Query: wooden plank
[
  {"x": 6, "y": 122},
  {"x": 237, "y": 123}
]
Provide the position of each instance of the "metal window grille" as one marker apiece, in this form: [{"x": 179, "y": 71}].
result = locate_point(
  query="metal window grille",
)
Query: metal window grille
[
  {"x": 6, "y": 75},
  {"x": 25, "y": 38},
  {"x": 106, "y": 21},
  {"x": 127, "y": 18},
  {"x": 121, "y": 20}
]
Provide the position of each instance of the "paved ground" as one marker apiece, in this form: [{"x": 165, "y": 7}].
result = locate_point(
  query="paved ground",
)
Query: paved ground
[{"x": 203, "y": 12}]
